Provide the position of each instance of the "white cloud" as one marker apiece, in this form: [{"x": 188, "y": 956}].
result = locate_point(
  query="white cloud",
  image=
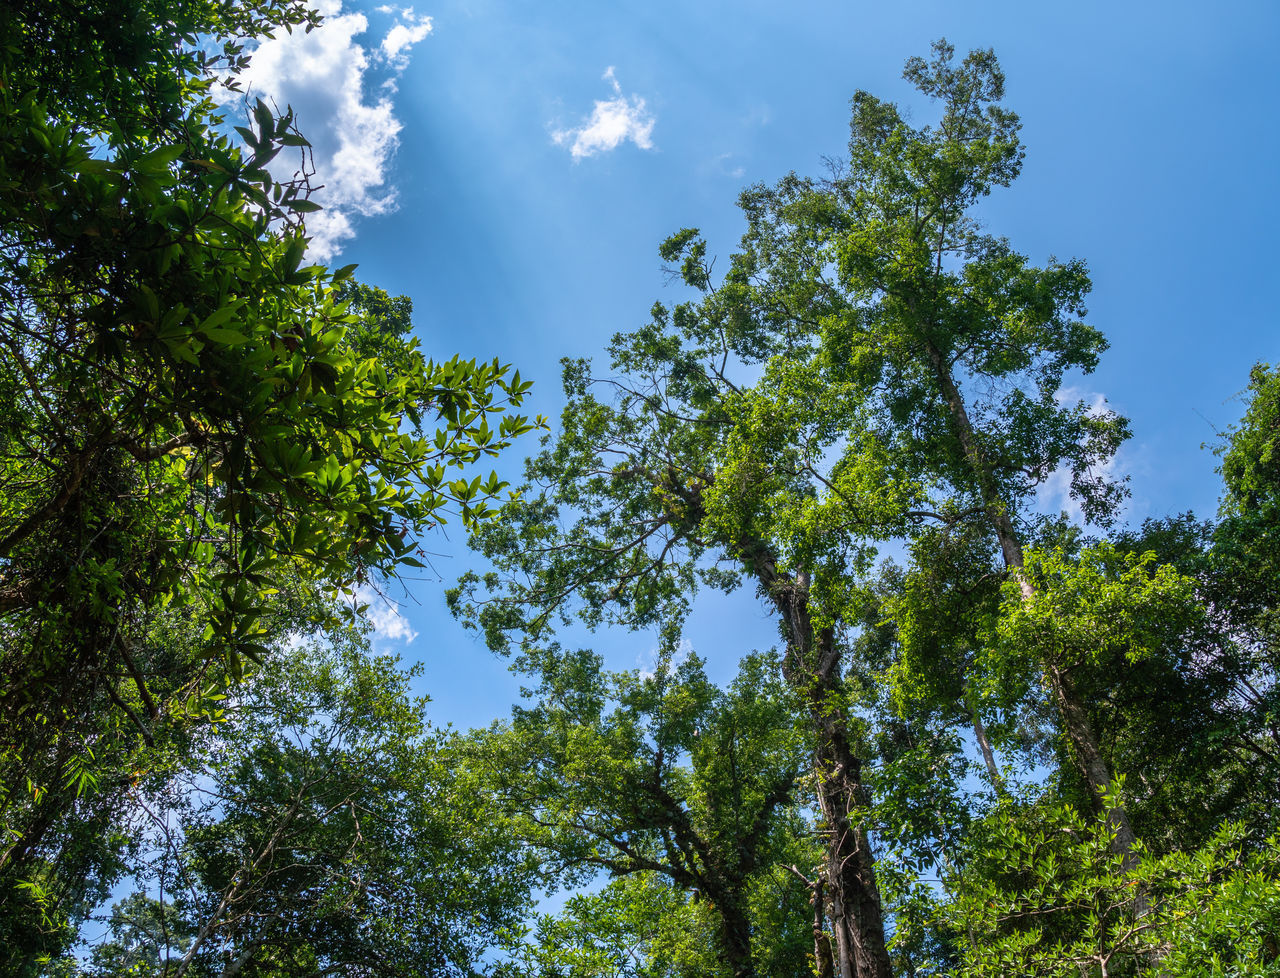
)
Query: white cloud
[
  {"x": 404, "y": 35},
  {"x": 323, "y": 76},
  {"x": 384, "y": 615},
  {"x": 1054, "y": 495},
  {"x": 610, "y": 124}
]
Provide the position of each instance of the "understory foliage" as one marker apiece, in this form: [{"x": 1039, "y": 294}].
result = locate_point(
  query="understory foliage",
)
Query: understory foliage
[
  {"x": 1047, "y": 895},
  {"x": 686, "y": 796},
  {"x": 987, "y": 741},
  {"x": 323, "y": 827}
]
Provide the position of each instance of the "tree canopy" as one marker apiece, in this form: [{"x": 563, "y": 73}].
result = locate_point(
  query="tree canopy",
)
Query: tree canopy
[{"x": 988, "y": 740}]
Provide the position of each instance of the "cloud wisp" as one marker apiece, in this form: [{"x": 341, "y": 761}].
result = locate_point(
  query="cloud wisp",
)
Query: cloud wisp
[
  {"x": 612, "y": 122},
  {"x": 404, "y": 34},
  {"x": 325, "y": 76},
  {"x": 388, "y": 624}
]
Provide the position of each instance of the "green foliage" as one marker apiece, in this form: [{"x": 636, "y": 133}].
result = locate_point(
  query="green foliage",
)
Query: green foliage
[
  {"x": 203, "y": 438},
  {"x": 1097, "y": 605},
  {"x": 690, "y": 790},
  {"x": 322, "y": 827},
  {"x": 1114, "y": 621},
  {"x": 637, "y": 926},
  {"x": 1046, "y": 895},
  {"x": 1229, "y": 928},
  {"x": 143, "y": 932},
  {"x": 1248, "y": 537},
  {"x": 872, "y": 366},
  {"x": 1251, "y": 456},
  {"x": 199, "y": 412},
  {"x": 205, "y": 442}
]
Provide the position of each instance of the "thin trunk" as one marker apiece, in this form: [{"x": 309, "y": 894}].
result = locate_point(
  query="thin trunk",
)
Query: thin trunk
[
  {"x": 1075, "y": 716},
  {"x": 1092, "y": 764},
  {"x": 822, "y": 958},
  {"x": 246, "y": 874},
  {"x": 988, "y": 755},
  {"x": 238, "y": 962}
]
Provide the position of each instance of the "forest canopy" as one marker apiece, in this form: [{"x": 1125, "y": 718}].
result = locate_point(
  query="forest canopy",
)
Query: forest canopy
[{"x": 987, "y": 739}]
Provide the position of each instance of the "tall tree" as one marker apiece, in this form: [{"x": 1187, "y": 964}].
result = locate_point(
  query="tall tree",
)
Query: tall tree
[
  {"x": 871, "y": 366},
  {"x": 635, "y": 480},
  {"x": 956, "y": 346}
]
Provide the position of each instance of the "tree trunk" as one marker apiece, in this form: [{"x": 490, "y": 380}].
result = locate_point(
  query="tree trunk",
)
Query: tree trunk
[
  {"x": 856, "y": 918},
  {"x": 735, "y": 936},
  {"x": 1093, "y": 765},
  {"x": 248, "y": 870},
  {"x": 237, "y": 963},
  {"x": 812, "y": 666},
  {"x": 988, "y": 755}
]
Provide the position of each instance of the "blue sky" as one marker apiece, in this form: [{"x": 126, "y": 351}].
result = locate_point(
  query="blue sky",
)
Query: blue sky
[{"x": 512, "y": 168}]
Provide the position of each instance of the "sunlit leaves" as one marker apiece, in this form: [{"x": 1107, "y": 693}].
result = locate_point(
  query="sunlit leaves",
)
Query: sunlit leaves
[{"x": 194, "y": 418}]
